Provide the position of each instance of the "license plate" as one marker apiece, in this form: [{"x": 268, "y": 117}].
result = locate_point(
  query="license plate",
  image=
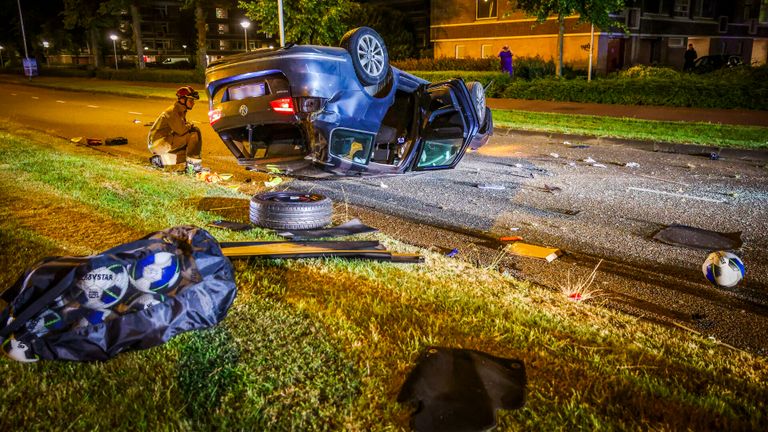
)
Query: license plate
[{"x": 247, "y": 91}]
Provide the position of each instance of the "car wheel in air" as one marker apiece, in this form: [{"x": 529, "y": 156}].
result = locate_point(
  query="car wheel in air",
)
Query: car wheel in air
[
  {"x": 290, "y": 210},
  {"x": 477, "y": 92},
  {"x": 369, "y": 54}
]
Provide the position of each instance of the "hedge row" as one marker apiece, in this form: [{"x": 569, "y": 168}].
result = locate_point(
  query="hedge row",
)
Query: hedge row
[{"x": 740, "y": 88}]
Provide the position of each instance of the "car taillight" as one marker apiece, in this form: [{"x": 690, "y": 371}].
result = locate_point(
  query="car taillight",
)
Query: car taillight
[
  {"x": 282, "y": 105},
  {"x": 214, "y": 115}
]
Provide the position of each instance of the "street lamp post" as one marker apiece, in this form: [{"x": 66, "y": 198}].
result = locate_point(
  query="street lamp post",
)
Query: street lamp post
[
  {"x": 114, "y": 46},
  {"x": 245, "y": 25},
  {"x": 46, "y": 45}
]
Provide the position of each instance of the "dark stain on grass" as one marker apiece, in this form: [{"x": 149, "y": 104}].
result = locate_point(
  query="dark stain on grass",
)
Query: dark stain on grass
[{"x": 207, "y": 367}]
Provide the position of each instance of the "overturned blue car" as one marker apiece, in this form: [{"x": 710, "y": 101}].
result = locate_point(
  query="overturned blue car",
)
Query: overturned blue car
[{"x": 327, "y": 111}]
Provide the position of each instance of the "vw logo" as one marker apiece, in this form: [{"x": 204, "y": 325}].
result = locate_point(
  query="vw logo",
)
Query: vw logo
[{"x": 243, "y": 110}]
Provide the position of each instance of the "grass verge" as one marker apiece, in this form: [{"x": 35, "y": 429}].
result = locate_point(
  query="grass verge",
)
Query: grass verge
[
  {"x": 326, "y": 344},
  {"x": 712, "y": 134}
]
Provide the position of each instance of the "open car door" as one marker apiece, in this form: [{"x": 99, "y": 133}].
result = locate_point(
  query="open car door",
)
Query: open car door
[{"x": 447, "y": 125}]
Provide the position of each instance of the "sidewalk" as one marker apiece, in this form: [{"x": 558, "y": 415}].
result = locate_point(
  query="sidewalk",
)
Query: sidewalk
[{"x": 735, "y": 117}]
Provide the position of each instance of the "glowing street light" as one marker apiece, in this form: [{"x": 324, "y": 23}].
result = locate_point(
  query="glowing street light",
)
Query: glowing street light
[
  {"x": 245, "y": 25},
  {"x": 46, "y": 45},
  {"x": 2, "y": 64},
  {"x": 114, "y": 45}
]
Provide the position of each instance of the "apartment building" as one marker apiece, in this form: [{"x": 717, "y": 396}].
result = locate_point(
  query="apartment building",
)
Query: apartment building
[{"x": 658, "y": 32}]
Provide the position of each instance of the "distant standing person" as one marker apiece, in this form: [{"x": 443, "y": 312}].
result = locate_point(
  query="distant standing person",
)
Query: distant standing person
[
  {"x": 506, "y": 61},
  {"x": 690, "y": 56}
]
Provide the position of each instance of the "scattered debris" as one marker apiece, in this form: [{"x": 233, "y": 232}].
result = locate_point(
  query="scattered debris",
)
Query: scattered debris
[
  {"x": 93, "y": 142},
  {"x": 225, "y": 176},
  {"x": 452, "y": 253},
  {"x": 554, "y": 155},
  {"x": 566, "y": 143},
  {"x": 589, "y": 160},
  {"x": 533, "y": 251},
  {"x": 723, "y": 269},
  {"x": 149, "y": 123},
  {"x": 348, "y": 228},
  {"x": 551, "y": 189},
  {"x": 632, "y": 165},
  {"x": 572, "y": 164},
  {"x": 579, "y": 290},
  {"x": 683, "y": 235},
  {"x": 679, "y": 195},
  {"x": 714, "y": 156},
  {"x": 273, "y": 169},
  {"x": 116, "y": 141},
  {"x": 514, "y": 228},
  {"x": 208, "y": 177},
  {"x": 383, "y": 185},
  {"x": 690, "y": 165},
  {"x": 231, "y": 225},
  {"x": 273, "y": 181},
  {"x": 76, "y": 140},
  {"x": 518, "y": 165},
  {"x": 510, "y": 238},
  {"x": 579, "y": 146},
  {"x": 567, "y": 212},
  {"x": 491, "y": 186},
  {"x": 599, "y": 165},
  {"x": 137, "y": 121}
]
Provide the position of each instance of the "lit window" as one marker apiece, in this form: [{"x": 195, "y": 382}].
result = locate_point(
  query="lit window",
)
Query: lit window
[
  {"x": 486, "y": 51},
  {"x": 221, "y": 13}
]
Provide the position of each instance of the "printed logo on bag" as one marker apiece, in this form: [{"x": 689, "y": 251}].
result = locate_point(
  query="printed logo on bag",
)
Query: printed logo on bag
[{"x": 243, "y": 110}]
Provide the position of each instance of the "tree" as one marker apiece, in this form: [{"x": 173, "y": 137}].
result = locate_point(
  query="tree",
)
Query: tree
[
  {"x": 320, "y": 22},
  {"x": 93, "y": 18},
  {"x": 202, "y": 30},
  {"x": 392, "y": 24},
  {"x": 596, "y": 12},
  {"x": 133, "y": 6}
]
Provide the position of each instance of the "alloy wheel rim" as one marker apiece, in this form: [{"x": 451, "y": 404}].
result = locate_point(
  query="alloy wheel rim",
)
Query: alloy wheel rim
[{"x": 371, "y": 55}]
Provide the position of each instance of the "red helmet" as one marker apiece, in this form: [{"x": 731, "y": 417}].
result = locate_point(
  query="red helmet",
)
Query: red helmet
[{"x": 187, "y": 92}]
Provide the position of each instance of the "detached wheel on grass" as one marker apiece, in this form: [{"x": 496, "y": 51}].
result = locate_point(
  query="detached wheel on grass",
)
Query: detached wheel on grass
[{"x": 290, "y": 210}]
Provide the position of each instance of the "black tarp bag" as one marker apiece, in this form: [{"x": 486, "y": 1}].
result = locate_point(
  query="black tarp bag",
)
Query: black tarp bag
[{"x": 134, "y": 296}]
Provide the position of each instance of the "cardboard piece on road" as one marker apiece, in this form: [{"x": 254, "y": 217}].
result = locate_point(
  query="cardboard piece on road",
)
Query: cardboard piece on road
[
  {"x": 533, "y": 251},
  {"x": 116, "y": 141}
]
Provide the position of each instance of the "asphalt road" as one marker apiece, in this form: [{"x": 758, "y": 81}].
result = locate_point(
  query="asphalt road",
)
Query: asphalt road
[{"x": 516, "y": 186}]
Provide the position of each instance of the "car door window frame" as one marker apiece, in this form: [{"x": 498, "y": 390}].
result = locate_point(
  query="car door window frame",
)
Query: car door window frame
[{"x": 352, "y": 134}]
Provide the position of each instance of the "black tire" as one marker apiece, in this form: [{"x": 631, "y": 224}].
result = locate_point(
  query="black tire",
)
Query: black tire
[
  {"x": 477, "y": 92},
  {"x": 290, "y": 210},
  {"x": 369, "y": 55}
]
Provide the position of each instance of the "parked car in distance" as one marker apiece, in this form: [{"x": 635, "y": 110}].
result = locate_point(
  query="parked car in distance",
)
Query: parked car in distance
[
  {"x": 318, "y": 111},
  {"x": 710, "y": 63}
]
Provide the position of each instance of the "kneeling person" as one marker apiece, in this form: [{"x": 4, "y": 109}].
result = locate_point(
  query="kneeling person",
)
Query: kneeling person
[{"x": 172, "y": 138}]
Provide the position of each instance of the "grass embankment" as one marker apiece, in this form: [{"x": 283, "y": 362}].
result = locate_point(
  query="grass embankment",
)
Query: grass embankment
[
  {"x": 326, "y": 344},
  {"x": 711, "y": 134}
]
